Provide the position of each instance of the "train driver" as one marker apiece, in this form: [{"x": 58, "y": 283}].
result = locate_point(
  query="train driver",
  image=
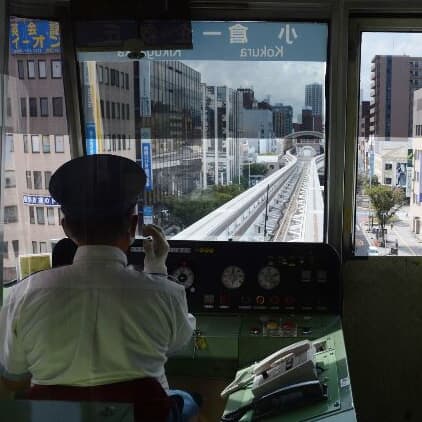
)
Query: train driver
[{"x": 97, "y": 329}]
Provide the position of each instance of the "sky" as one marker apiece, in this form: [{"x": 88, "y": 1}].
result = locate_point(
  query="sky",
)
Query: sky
[
  {"x": 383, "y": 43},
  {"x": 284, "y": 82}
]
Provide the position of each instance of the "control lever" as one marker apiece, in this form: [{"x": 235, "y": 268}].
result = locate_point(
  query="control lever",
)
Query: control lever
[{"x": 278, "y": 401}]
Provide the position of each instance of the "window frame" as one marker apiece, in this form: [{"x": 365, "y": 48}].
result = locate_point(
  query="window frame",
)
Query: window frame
[{"x": 53, "y": 75}]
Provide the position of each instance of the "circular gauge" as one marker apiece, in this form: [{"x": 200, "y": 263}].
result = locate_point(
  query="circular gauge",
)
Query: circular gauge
[
  {"x": 232, "y": 277},
  {"x": 269, "y": 277},
  {"x": 184, "y": 276}
]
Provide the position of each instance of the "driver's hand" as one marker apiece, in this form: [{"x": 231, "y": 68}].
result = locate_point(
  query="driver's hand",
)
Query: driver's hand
[{"x": 156, "y": 250}]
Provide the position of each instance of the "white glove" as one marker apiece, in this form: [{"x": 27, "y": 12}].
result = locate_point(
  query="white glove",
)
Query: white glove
[{"x": 156, "y": 250}]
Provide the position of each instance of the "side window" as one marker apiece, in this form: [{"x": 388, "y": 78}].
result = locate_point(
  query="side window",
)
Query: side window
[{"x": 35, "y": 79}]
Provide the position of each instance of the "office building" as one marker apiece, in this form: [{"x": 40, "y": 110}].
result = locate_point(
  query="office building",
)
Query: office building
[
  {"x": 282, "y": 120},
  {"x": 221, "y": 151},
  {"x": 393, "y": 81},
  {"x": 169, "y": 121},
  {"x": 313, "y": 98}
]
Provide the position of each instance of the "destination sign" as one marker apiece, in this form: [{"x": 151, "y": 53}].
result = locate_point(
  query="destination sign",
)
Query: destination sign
[{"x": 247, "y": 41}]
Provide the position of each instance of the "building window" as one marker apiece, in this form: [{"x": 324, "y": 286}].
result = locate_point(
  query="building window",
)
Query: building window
[
  {"x": 9, "y": 107},
  {"x": 124, "y": 142},
  {"x": 50, "y": 216},
  {"x": 31, "y": 215},
  {"x": 113, "y": 110},
  {"x": 42, "y": 69},
  {"x": 123, "y": 111},
  {"x": 118, "y": 111},
  {"x": 31, "y": 69},
  {"x": 102, "y": 108},
  {"x": 387, "y": 181},
  {"x": 33, "y": 107},
  {"x": 59, "y": 143},
  {"x": 23, "y": 106},
  {"x": 10, "y": 179},
  {"x": 35, "y": 142},
  {"x": 58, "y": 106},
  {"x": 116, "y": 78},
  {"x": 40, "y": 215},
  {"x": 388, "y": 166},
  {"x": 106, "y": 75},
  {"x": 112, "y": 77},
  {"x": 47, "y": 177},
  {"x": 25, "y": 143},
  {"x": 113, "y": 141},
  {"x": 100, "y": 74},
  {"x": 44, "y": 107},
  {"x": 10, "y": 146},
  {"x": 10, "y": 214},
  {"x": 21, "y": 69},
  {"x": 127, "y": 111},
  {"x": 15, "y": 246},
  {"x": 34, "y": 247},
  {"x": 122, "y": 80},
  {"x": 43, "y": 247},
  {"x": 56, "y": 69},
  {"x": 5, "y": 250},
  {"x": 108, "y": 109},
  {"x": 46, "y": 144},
  {"x": 37, "y": 180},
  {"x": 119, "y": 143},
  {"x": 28, "y": 179},
  {"x": 126, "y": 80},
  {"x": 107, "y": 143}
]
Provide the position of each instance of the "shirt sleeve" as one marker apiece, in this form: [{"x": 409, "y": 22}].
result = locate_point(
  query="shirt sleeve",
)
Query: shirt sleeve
[
  {"x": 13, "y": 364},
  {"x": 184, "y": 321}
]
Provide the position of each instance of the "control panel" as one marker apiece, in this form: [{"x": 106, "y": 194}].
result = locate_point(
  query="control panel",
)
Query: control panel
[{"x": 242, "y": 276}]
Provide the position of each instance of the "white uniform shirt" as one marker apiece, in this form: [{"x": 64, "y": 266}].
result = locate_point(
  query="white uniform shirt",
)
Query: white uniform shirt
[{"x": 91, "y": 323}]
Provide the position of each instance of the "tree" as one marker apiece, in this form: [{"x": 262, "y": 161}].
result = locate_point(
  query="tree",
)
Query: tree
[
  {"x": 190, "y": 208},
  {"x": 385, "y": 201}
]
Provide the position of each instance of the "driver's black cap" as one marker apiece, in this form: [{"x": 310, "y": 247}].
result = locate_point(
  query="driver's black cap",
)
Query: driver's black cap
[{"x": 100, "y": 185}]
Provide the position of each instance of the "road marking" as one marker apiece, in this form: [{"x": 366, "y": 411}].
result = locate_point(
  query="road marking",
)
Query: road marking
[{"x": 404, "y": 241}]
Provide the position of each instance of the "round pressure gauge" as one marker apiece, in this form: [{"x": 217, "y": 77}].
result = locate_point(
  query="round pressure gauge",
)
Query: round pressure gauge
[
  {"x": 232, "y": 277},
  {"x": 184, "y": 276},
  {"x": 269, "y": 277}
]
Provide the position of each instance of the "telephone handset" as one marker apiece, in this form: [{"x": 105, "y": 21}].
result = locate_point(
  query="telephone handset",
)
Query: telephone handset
[
  {"x": 291, "y": 365},
  {"x": 283, "y": 380}
]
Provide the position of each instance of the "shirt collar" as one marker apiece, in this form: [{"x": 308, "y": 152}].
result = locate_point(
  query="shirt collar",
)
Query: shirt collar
[{"x": 100, "y": 252}]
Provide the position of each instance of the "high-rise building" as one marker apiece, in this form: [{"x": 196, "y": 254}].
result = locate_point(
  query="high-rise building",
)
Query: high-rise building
[
  {"x": 169, "y": 119},
  {"x": 313, "y": 98},
  {"x": 247, "y": 97},
  {"x": 282, "y": 119},
  {"x": 364, "y": 119},
  {"x": 393, "y": 81},
  {"x": 221, "y": 152}
]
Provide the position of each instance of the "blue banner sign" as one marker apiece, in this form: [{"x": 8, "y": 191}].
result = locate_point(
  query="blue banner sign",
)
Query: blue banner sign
[
  {"x": 91, "y": 139},
  {"x": 248, "y": 41},
  {"x": 30, "y": 36},
  {"x": 40, "y": 200},
  {"x": 146, "y": 161}
]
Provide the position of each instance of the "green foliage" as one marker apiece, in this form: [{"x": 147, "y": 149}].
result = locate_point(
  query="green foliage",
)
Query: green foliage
[
  {"x": 385, "y": 201},
  {"x": 257, "y": 169},
  {"x": 369, "y": 182},
  {"x": 190, "y": 208}
]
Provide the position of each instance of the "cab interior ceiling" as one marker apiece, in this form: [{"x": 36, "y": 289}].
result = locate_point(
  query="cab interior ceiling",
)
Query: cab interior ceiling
[{"x": 209, "y": 9}]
